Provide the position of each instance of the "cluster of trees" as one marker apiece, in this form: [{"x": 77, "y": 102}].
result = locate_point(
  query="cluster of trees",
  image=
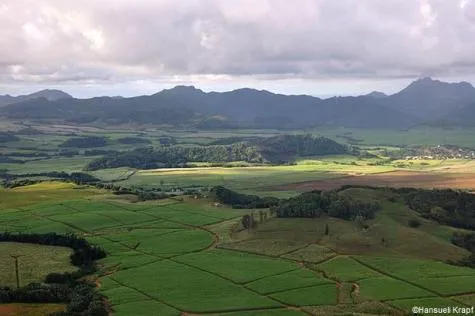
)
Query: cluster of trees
[
  {"x": 81, "y": 178},
  {"x": 83, "y": 256},
  {"x": 83, "y": 299},
  {"x": 133, "y": 140},
  {"x": 176, "y": 156},
  {"x": 278, "y": 149},
  {"x": 315, "y": 203},
  {"x": 450, "y": 207},
  {"x": 6, "y": 137},
  {"x": 85, "y": 142},
  {"x": 100, "y": 152},
  {"x": 281, "y": 148},
  {"x": 238, "y": 200},
  {"x": 36, "y": 293},
  {"x": 467, "y": 241}
]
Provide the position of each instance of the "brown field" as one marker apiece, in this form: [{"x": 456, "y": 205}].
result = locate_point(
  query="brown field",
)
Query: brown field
[
  {"x": 390, "y": 179},
  {"x": 30, "y": 309}
]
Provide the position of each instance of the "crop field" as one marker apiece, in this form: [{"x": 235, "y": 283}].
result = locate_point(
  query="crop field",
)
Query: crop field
[
  {"x": 170, "y": 258},
  {"x": 34, "y": 262}
]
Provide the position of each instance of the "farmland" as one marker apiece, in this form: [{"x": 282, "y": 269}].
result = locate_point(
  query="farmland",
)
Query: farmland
[
  {"x": 283, "y": 180},
  {"x": 185, "y": 256}
]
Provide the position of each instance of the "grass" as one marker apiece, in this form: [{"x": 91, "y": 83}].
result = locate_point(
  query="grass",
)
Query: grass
[
  {"x": 288, "y": 281},
  {"x": 346, "y": 269},
  {"x": 316, "y": 295},
  {"x": 161, "y": 256},
  {"x": 182, "y": 286},
  {"x": 42, "y": 192},
  {"x": 439, "y": 277},
  {"x": 312, "y": 253},
  {"x": 144, "y": 308},
  {"x": 385, "y": 288},
  {"x": 269, "y": 247},
  {"x": 434, "y": 302},
  {"x": 237, "y": 266},
  {"x": 34, "y": 262}
]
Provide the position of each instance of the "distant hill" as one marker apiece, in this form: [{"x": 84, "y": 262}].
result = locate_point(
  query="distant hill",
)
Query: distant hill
[
  {"x": 48, "y": 94},
  {"x": 430, "y": 99},
  {"x": 425, "y": 101}
]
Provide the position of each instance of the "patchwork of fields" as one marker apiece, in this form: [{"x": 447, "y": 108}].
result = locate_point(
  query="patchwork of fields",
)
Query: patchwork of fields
[{"x": 177, "y": 257}]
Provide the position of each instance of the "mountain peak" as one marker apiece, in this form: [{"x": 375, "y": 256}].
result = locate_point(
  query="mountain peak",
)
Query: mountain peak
[
  {"x": 376, "y": 94},
  {"x": 49, "y": 94},
  {"x": 182, "y": 88}
]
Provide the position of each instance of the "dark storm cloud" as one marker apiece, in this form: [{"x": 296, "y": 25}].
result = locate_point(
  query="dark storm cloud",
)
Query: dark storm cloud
[{"x": 121, "y": 40}]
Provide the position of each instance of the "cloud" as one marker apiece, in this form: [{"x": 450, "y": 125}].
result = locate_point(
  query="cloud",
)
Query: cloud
[{"x": 128, "y": 40}]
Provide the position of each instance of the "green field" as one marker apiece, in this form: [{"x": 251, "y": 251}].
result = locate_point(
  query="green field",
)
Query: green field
[{"x": 168, "y": 258}]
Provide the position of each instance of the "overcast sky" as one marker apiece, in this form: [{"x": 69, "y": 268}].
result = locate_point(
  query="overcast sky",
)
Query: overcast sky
[{"x": 318, "y": 47}]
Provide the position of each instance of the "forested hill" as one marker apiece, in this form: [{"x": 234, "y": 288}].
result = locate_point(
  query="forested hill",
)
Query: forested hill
[{"x": 278, "y": 149}]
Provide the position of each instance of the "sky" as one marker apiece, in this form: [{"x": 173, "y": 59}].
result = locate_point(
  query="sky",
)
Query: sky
[{"x": 317, "y": 47}]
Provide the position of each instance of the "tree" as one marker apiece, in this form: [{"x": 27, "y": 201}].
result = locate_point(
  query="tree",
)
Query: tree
[{"x": 248, "y": 222}]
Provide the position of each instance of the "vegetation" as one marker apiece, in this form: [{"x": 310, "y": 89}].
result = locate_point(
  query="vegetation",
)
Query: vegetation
[
  {"x": 278, "y": 149},
  {"x": 316, "y": 203},
  {"x": 239, "y": 200},
  {"x": 85, "y": 142},
  {"x": 133, "y": 140},
  {"x": 454, "y": 208},
  {"x": 6, "y": 137},
  {"x": 162, "y": 256}
]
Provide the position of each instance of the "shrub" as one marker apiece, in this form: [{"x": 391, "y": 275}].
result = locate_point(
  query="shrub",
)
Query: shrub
[{"x": 414, "y": 223}]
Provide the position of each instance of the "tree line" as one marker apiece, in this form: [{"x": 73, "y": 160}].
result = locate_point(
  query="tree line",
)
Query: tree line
[
  {"x": 85, "y": 142},
  {"x": 80, "y": 178},
  {"x": 83, "y": 256},
  {"x": 315, "y": 203},
  {"x": 239, "y": 200},
  {"x": 277, "y": 149},
  {"x": 451, "y": 207}
]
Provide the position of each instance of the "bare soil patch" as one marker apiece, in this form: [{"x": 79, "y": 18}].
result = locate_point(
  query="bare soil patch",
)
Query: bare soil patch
[{"x": 389, "y": 179}]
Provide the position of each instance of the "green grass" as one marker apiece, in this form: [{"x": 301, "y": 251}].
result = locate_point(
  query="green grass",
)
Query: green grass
[
  {"x": 46, "y": 191},
  {"x": 273, "y": 312},
  {"x": 145, "y": 308},
  {"x": 287, "y": 281},
  {"x": 439, "y": 277},
  {"x": 346, "y": 269},
  {"x": 237, "y": 266},
  {"x": 270, "y": 247},
  {"x": 317, "y": 295},
  {"x": 311, "y": 253},
  {"x": 161, "y": 255},
  {"x": 34, "y": 261},
  {"x": 183, "y": 287},
  {"x": 435, "y": 302},
  {"x": 385, "y": 288}
]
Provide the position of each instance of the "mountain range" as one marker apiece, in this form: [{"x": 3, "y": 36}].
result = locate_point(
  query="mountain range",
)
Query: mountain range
[{"x": 424, "y": 101}]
